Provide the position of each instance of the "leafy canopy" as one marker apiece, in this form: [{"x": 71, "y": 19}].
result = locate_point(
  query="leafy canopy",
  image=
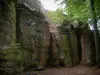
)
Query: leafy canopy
[
  {"x": 57, "y": 16},
  {"x": 80, "y": 9}
]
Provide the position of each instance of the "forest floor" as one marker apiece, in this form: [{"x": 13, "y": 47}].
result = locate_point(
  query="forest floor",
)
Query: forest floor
[{"x": 78, "y": 70}]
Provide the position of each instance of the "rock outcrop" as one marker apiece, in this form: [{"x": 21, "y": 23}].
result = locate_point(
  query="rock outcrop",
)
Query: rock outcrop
[
  {"x": 30, "y": 29},
  {"x": 68, "y": 49},
  {"x": 35, "y": 36},
  {"x": 7, "y": 31}
]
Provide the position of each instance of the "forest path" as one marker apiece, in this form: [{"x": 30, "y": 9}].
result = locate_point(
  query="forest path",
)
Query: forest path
[{"x": 78, "y": 70}]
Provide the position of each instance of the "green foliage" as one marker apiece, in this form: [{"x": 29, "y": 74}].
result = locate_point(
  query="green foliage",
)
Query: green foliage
[
  {"x": 57, "y": 16},
  {"x": 75, "y": 10},
  {"x": 10, "y": 0},
  {"x": 97, "y": 7},
  {"x": 78, "y": 10}
]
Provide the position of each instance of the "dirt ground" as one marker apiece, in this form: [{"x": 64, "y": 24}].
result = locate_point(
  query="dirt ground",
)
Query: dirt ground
[{"x": 78, "y": 70}]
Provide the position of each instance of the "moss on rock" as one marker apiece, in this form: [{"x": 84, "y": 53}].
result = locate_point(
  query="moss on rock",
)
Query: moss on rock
[{"x": 65, "y": 51}]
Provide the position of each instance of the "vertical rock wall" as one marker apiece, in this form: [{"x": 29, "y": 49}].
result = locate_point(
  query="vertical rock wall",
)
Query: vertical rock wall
[
  {"x": 74, "y": 48},
  {"x": 53, "y": 51},
  {"x": 7, "y": 25},
  {"x": 45, "y": 44},
  {"x": 86, "y": 48},
  {"x": 7, "y": 31},
  {"x": 65, "y": 51},
  {"x": 35, "y": 35}
]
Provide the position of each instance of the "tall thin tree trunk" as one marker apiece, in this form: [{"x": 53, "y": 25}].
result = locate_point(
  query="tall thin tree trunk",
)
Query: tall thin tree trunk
[{"x": 96, "y": 33}]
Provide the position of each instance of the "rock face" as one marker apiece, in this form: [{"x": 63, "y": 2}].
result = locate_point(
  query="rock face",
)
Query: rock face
[
  {"x": 33, "y": 4},
  {"x": 67, "y": 46},
  {"x": 68, "y": 50},
  {"x": 74, "y": 46},
  {"x": 38, "y": 44},
  {"x": 45, "y": 44},
  {"x": 35, "y": 32},
  {"x": 31, "y": 32},
  {"x": 87, "y": 51},
  {"x": 53, "y": 59},
  {"x": 54, "y": 45},
  {"x": 7, "y": 31},
  {"x": 7, "y": 26},
  {"x": 65, "y": 56}
]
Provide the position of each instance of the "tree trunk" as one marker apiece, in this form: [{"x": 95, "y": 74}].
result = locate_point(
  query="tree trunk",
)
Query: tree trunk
[{"x": 96, "y": 33}]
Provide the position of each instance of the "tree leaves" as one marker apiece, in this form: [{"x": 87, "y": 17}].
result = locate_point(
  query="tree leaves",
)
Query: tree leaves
[
  {"x": 57, "y": 16},
  {"x": 78, "y": 10}
]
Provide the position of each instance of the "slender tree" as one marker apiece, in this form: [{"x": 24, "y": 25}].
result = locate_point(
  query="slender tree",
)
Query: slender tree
[{"x": 96, "y": 33}]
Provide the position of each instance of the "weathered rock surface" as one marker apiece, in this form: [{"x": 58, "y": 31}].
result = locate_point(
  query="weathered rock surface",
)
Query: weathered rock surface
[
  {"x": 35, "y": 32},
  {"x": 65, "y": 56},
  {"x": 39, "y": 43},
  {"x": 86, "y": 48},
  {"x": 7, "y": 31}
]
